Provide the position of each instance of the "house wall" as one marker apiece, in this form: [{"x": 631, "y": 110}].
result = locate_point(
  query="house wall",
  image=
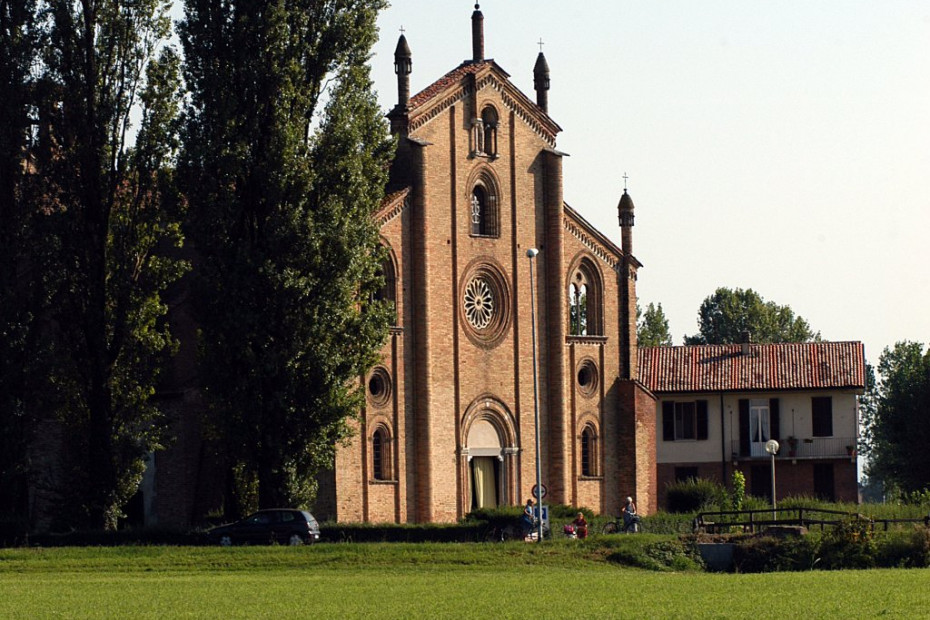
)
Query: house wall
[{"x": 715, "y": 457}]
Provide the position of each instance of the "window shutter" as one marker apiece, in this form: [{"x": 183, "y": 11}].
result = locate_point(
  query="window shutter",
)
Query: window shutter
[
  {"x": 774, "y": 422},
  {"x": 744, "y": 426},
  {"x": 668, "y": 421},
  {"x": 702, "y": 419}
]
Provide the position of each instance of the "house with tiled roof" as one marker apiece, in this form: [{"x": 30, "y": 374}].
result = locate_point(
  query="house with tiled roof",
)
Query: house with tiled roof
[
  {"x": 718, "y": 405},
  {"x": 488, "y": 339}
]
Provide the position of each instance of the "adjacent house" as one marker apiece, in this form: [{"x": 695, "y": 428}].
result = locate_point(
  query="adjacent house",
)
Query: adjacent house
[{"x": 718, "y": 405}]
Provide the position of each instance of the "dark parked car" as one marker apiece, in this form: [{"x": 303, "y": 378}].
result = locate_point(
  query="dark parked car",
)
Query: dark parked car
[{"x": 284, "y": 526}]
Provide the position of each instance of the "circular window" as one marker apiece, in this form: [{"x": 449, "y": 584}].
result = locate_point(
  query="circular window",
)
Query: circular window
[
  {"x": 479, "y": 303},
  {"x": 485, "y": 305},
  {"x": 587, "y": 378},
  {"x": 379, "y": 386}
]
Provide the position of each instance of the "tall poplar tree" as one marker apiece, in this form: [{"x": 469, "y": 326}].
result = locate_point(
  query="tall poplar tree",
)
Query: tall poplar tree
[
  {"x": 111, "y": 223},
  {"x": 282, "y": 191},
  {"x": 19, "y": 36}
]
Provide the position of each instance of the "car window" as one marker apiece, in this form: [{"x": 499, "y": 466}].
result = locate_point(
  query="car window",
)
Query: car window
[
  {"x": 287, "y": 517},
  {"x": 260, "y": 519}
]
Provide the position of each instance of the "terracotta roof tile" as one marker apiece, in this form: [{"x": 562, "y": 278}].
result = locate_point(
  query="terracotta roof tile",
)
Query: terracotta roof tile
[
  {"x": 768, "y": 367},
  {"x": 453, "y": 77}
]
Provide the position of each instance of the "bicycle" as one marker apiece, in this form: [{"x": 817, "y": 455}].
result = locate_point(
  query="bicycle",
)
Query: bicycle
[{"x": 634, "y": 526}]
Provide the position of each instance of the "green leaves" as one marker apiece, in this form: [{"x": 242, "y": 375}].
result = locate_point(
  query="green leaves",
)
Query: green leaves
[
  {"x": 896, "y": 418},
  {"x": 282, "y": 196},
  {"x": 652, "y": 327},
  {"x": 727, "y": 315}
]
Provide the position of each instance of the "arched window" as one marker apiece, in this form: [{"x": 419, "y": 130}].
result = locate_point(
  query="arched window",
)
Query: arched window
[
  {"x": 380, "y": 454},
  {"x": 584, "y": 301},
  {"x": 483, "y": 212},
  {"x": 388, "y": 291},
  {"x": 589, "y": 451},
  {"x": 489, "y": 125}
]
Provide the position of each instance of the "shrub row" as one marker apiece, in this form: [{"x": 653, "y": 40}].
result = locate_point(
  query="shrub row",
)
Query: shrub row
[{"x": 849, "y": 546}]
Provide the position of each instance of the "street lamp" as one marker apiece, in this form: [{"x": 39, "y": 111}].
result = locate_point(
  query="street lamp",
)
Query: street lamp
[
  {"x": 771, "y": 446},
  {"x": 531, "y": 254}
]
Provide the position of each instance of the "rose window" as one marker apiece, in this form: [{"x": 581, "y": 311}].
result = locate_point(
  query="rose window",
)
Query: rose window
[{"x": 479, "y": 303}]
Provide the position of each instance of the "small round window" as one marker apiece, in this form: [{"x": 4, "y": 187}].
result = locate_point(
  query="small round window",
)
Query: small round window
[
  {"x": 587, "y": 378},
  {"x": 379, "y": 386}
]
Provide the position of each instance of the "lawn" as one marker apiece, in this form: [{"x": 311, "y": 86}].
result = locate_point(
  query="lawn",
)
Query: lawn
[{"x": 511, "y": 580}]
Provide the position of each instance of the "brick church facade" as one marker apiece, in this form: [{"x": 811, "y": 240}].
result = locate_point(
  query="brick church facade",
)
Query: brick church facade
[{"x": 449, "y": 422}]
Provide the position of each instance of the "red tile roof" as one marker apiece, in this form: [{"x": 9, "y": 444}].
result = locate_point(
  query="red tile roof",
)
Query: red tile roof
[
  {"x": 453, "y": 77},
  {"x": 768, "y": 367}
]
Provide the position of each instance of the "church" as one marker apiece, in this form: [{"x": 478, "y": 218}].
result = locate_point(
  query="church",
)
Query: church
[{"x": 509, "y": 306}]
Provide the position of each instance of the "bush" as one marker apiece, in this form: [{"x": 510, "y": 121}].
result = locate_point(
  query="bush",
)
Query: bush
[
  {"x": 765, "y": 554},
  {"x": 848, "y": 545},
  {"x": 694, "y": 495},
  {"x": 904, "y": 549},
  {"x": 664, "y": 555}
]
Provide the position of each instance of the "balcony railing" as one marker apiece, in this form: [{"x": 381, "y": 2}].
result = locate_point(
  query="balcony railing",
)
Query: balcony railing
[{"x": 800, "y": 448}]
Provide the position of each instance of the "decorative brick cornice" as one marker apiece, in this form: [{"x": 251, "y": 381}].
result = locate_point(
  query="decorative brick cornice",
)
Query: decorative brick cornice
[
  {"x": 590, "y": 242},
  {"x": 598, "y": 341},
  {"x": 428, "y": 104},
  {"x": 393, "y": 205}
]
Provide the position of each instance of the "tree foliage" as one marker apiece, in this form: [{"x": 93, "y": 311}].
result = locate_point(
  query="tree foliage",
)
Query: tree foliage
[
  {"x": 896, "y": 419},
  {"x": 94, "y": 203},
  {"x": 20, "y": 295},
  {"x": 282, "y": 196},
  {"x": 652, "y": 327},
  {"x": 727, "y": 315}
]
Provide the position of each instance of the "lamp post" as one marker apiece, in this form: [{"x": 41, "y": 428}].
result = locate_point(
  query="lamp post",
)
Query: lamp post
[
  {"x": 531, "y": 254},
  {"x": 771, "y": 446}
]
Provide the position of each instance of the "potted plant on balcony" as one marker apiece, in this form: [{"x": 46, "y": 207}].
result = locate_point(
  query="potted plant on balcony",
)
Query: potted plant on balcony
[
  {"x": 851, "y": 450},
  {"x": 792, "y": 446}
]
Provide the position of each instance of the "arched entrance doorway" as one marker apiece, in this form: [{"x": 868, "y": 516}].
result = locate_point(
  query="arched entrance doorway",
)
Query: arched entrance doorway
[
  {"x": 488, "y": 467},
  {"x": 485, "y": 458}
]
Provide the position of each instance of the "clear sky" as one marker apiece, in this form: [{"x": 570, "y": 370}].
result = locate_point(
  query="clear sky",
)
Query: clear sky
[{"x": 779, "y": 146}]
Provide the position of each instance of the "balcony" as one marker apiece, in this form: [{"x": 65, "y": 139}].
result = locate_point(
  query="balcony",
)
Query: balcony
[{"x": 802, "y": 448}]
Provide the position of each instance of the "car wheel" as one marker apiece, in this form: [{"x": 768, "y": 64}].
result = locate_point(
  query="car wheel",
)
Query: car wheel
[
  {"x": 226, "y": 540},
  {"x": 295, "y": 540}
]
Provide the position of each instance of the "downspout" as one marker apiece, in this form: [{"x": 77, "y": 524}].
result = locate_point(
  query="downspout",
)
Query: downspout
[{"x": 723, "y": 443}]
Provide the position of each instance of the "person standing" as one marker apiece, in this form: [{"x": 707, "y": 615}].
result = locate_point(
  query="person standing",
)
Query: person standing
[{"x": 630, "y": 518}]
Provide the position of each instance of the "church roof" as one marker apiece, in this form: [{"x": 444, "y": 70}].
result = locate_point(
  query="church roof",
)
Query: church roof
[
  {"x": 450, "y": 79},
  {"x": 767, "y": 367},
  {"x": 442, "y": 93}
]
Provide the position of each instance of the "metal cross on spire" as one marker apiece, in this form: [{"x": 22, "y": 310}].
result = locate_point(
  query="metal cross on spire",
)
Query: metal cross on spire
[
  {"x": 624, "y": 181},
  {"x": 402, "y": 31},
  {"x": 540, "y": 44}
]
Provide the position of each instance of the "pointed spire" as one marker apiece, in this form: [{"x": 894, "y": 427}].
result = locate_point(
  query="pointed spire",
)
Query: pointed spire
[
  {"x": 541, "y": 80},
  {"x": 403, "y": 66},
  {"x": 625, "y": 213},
  {"x": 477, "y": 34}
]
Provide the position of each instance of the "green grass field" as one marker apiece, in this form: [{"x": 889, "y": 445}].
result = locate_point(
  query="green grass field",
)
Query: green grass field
[{"x": 561, "y": 579}]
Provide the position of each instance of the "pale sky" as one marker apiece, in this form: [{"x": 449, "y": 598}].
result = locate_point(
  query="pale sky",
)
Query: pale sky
[{"x": 779, "y": 146}]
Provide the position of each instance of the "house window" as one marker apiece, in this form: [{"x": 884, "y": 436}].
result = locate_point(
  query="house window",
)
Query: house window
[
  {"x": 822, "y": 416},
  {"x": 483, "y": 212},
  {"x": 380, "y": 455},
  {"x": 684, "y": 420},
  {"x": 683, "y": 474},
  {"x": 584, "y": 301},
  {"x": 589, "y": 453}
]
